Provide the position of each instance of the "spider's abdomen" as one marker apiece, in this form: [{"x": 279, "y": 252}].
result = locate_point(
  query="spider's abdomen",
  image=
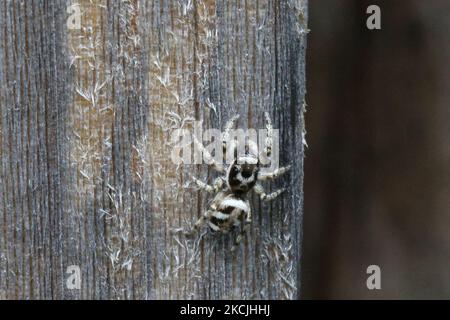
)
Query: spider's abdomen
[{"x": 227, "y": 212}]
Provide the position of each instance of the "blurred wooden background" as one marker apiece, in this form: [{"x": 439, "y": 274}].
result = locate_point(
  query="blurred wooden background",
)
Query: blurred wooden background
[
  {"x": 85, "y": 120},
  {"x": 377, "y": 171}
]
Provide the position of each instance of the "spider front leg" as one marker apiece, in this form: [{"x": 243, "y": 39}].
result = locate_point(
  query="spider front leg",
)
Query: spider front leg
[
  {"x": 274, "y": 174},
  {"x": 269, "y": 137},
  {"x": 226, "y": 134},
  {"x": 267, "y": 197},
  {"x": 207, "y": 156},
  {"x": 266, "y": 153},
  {"x": 217, "y": 185}
]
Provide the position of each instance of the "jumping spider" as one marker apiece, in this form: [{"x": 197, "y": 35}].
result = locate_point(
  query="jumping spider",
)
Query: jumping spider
[{"x": 230, "y": 207}]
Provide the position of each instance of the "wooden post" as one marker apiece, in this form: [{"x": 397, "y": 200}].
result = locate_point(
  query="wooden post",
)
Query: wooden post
[{"x": 86, "y": 113}]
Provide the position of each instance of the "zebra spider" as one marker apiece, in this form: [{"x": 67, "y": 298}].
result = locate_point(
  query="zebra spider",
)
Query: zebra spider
[{"x": 230, "y": 208}]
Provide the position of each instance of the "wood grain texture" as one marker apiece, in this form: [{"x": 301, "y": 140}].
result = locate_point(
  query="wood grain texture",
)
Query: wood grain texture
[{"x": 86, "y": 176}]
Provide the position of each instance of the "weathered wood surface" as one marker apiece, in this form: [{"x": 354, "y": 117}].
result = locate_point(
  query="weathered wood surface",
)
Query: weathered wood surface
[{"x": 85, "y": 172}]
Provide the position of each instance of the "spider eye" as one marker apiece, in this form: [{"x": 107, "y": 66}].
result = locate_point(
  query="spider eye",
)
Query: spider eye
[{"x": 247, "y": 174}]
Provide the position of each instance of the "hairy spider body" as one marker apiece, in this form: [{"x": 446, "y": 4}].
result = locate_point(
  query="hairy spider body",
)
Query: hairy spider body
[
  {"x": 227, "y": 211},
  {"x": 230, "y": 208}
]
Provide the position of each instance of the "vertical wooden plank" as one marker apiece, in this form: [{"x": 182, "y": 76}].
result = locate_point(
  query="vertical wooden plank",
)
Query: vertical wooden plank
[
  {"x": 33, "y": 117},
  {"x": 220, "y": 50}
]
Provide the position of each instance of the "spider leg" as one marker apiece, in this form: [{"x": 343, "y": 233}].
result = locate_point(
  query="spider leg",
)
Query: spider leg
[
  {"x": 248, "y": 218},
  {"x": 217, "y": 185},
  {"x": 273, "y": 175},
  {"x": 267, "y": 197},
  {"x": 199, "y": 224},
  {"x": 241, "y": 235},
  {"x": 207, "y": 156},
  {"x": 269, "y": 137},
  {"x": 226, "y": 134}
]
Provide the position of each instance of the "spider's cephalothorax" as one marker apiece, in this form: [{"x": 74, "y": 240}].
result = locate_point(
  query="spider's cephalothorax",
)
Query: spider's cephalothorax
[
  {"x": 230, "y": 207},
  {"x": 242, "y": 174}
]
